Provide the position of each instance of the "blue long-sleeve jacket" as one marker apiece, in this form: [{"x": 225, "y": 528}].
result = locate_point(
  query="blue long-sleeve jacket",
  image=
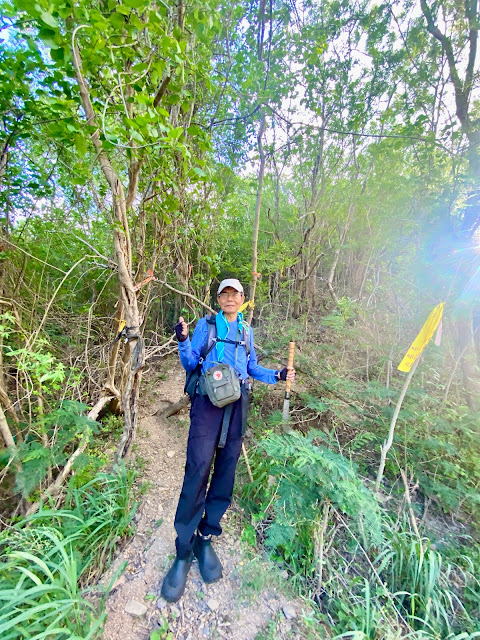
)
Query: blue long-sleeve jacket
[{"x": 190, "y": 354}]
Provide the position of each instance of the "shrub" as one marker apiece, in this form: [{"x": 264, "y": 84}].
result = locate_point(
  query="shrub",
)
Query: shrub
[{"x": 41, "y": 595}]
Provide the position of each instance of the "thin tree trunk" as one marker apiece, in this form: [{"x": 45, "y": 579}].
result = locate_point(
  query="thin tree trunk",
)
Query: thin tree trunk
[
  {"x": 452, "y": 374},
  {"x": 123, "y": 251},
  {"x": 411, "y": 513},
  {"x": 109, "y": 388},
  {"x": 336, "y": 255},
  {"x": 4, "y": 399},
  {"x": 256, "y": 223},
  {"x": 462, "y": 86},
  {"x": 4, "y": 158},
  {"x": 465, "y": 337},
  {"x": 388, "y": 443},
  {"x": 5, "y": 431},
  {"x": 319, "y": 544}
]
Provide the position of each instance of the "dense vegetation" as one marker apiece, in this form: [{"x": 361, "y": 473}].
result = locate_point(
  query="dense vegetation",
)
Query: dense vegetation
[{"x": 327, "y": 153}]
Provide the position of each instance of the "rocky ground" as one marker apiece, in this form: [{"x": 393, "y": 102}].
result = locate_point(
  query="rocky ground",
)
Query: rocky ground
[{"x": 248, "y": 603}]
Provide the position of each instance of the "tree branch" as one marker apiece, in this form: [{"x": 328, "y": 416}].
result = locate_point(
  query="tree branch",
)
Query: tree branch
[
  {"x": 133, "y": 176},
  {"x": 460, "y": 98},
  {"x": 161, "y": 91},
  {"x": 5, "y": 431},
  {"x": 107, "y": 260},
  {"x": 471, "y": 10},
  {"x": 188, "y": 295},
  {"x": 122, "y": 241}
]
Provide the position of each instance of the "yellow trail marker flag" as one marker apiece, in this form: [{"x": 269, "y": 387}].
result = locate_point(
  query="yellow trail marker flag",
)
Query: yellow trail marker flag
[
  {"x": 249, "y": 304},
  {"x": 423, "y": 338}
]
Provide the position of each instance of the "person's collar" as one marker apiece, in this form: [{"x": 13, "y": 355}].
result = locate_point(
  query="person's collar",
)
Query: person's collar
[{"x": 239, "y": 319}]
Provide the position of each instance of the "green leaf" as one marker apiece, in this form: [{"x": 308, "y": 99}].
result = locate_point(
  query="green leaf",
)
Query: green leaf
[
  {"x": 249, "y": 535},
  {"x": 175, "y": 134},
  {"x": 117, "y": 21},
  {"x": 47, "y": 18},
  {"x": 166, "y": 218},
  {"x": 36, "y": 454},
  {"x": 136, "y": 136},
  {"x": 80, "y": 145}
]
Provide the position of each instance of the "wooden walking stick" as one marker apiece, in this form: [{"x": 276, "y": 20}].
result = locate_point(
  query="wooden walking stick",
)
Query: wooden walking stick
[{"x": 286, "y": 402}]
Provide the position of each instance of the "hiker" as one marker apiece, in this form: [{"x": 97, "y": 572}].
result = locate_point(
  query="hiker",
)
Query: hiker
[{"x": 224, "y": 339}]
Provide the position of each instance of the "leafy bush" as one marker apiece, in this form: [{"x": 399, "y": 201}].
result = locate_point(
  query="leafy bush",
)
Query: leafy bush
[
  {"x": 439, "y": 442},
  {"x": 375, "y": 579},
  {"x": 62, "y": 429},
  {"x": 296, "y": 476},
  {"x": 49, "y": 555}
]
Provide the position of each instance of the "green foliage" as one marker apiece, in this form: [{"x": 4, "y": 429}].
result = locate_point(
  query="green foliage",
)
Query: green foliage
[
  {"x": 42, "y": 366},
  {"x": 430, "y": 594},
  {"x": 112, "y": 425},
  {"x": 439, "y": 441},
  {"x": 47, "y": 556},
  {"x": 62, "y": 428},
  {"x": 257, "y": 574},
  {"x": 162, "y": 631},
  {"x": 393, "y": 586},
  {"x": 296, "y": 476},
  {"x": 40, "y": 596},
  {"x": 366, "y": 218},
  {"x": 7, "y": 324}
]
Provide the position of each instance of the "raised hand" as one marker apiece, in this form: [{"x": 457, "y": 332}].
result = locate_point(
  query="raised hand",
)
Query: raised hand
[{"x": 181, "y": 330}]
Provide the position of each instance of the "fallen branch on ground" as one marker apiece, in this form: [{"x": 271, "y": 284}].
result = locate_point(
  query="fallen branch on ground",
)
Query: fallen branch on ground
[{"x": 174, "y": 408}]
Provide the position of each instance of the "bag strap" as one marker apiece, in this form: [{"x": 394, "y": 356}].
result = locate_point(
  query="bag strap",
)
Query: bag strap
[
  {"x": 207, "y": 347},
  {"x": 227, "y": 414},
  {"x": 246, "y": 338},
  {"x": 211, "y": 338}
]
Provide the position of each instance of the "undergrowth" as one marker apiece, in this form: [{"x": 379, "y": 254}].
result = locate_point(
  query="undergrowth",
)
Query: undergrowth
[
  {"x": 49, "y": 558},
  {"x": 369, "y": 575}
]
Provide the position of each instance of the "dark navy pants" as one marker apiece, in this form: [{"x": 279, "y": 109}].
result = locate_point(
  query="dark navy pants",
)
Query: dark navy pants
[{"x": 198, "y": 508}]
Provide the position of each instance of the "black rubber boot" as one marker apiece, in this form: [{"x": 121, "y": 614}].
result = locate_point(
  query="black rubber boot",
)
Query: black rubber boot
[
  {"x": 208, "y": 562},
  {"x": 174, "y": 582}
]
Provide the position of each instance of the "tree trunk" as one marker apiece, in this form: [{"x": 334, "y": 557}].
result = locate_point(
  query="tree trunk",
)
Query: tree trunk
[
  {"x": 5, "y": 431},
  {"x": 256, "y": 223},
  {"x": 336, "y": 255},
  {"x": 123, "y": 251},
  {"x": 462, "y": 87},
  {"x": 466, "y": 354}
]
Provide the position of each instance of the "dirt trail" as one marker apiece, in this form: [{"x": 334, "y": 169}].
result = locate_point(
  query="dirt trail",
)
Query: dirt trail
[{"x": 221, "y": 610}]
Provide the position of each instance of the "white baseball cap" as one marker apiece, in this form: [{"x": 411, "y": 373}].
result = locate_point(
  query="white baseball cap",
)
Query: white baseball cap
[{"x": 230, "y": 282}]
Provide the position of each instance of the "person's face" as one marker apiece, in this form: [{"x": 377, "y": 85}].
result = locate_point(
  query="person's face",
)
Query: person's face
[{"x": 230, "y": 300}]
